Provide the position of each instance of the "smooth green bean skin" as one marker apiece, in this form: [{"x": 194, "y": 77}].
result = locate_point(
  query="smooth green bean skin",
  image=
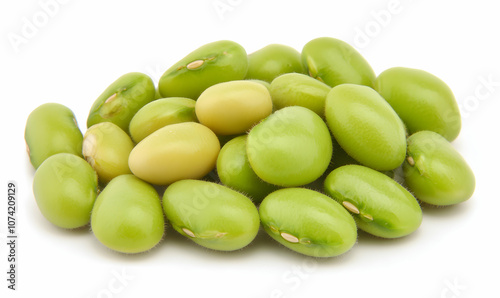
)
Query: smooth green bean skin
[
  {"x": 211, "y": 214},
  {"x": 272, "y": 61},
  {"x": 366, "y": 126},
  {"x": 435, "y": 172},
  {"x": 422, "y": 100},
  {"x": 160, "y": 113},
  {"x": 308, "y": 222},
  {"x": 295, "y": 89},
  {"x": 50, "y": 129},
  {"x": 291, "y": 147},
  {"x": 65, "y": 189},
  {"x": 127, "y": 216},
  {"x": 379, "y": 204},
  {"x": 213, "y": 63},
  {"x": 122, "y": 99},
  {"x": 334, "y": 62}
]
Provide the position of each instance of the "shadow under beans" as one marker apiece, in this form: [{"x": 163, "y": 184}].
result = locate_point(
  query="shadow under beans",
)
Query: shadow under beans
[
  {"x": 77, "y": 232},
  {"x": 175, "y": 241},
  {"x": 451, "y": 211},
  {"x": 264, "y": 242},
  {"x": 429, "y": 211},
  {"x": 368, "y": 239},
  {"x": 108, "y": 253}
]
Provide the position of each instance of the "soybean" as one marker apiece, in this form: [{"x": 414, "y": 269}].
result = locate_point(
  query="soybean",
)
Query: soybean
[
  {"x": 160, "y": 113},
  {"x": 291, "y": 147},
  {"x": 211, "y": 215},
  {"x": 50, "y": 129},
  {"x": 106, "y": 147},
  {"x": 366, "y": 126},
  {"x": 233, "y": 107},
  {"x": 178, "y": 151},
  {"x": 127, "y": 216},
  {"x": 65, "y": 189},
  {"x": 308, "y": 222},
  {"x": 272, "y": 61},
  {"x": 295, "y": 89},
  {"x": 422, "y": 100},
  {"x": 334, "y": 62},
  {"x": 435, "y": 172},
  {"x": 379, "y": 204},
  {"x": 213, "y": 63},
  {"x": 122, "y": 99}
]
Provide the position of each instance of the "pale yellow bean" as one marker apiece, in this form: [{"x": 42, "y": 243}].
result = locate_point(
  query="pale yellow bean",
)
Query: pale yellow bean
[
  {"x": 178, "y": 151},
  {"x": 233, "y": 107}
]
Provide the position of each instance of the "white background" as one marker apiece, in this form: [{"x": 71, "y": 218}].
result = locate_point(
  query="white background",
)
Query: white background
[{"x": 71, "y": 56}]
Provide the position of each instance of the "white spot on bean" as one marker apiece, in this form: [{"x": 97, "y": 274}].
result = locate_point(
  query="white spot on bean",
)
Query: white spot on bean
[
  {"x": 411, "y": 161},
  {"x": 351, "y": 207},
  {"x": 289, "y": 237},
  {"x": 195, "y": 64},
  {"x": 111, "y": 98},
  {"x": 188, "y": 232}
]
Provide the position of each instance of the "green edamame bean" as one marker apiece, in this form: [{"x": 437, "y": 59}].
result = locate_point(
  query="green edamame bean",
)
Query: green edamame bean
[
  {"x": 235, "y": 172},
  {"x": 379, "y": 204},
  {"x": 127, "y": 216},
  {"x": 295, "y": 89},
  {"x": 160, "y": 113},
  {"x": 211, "y": 215},
  {"x": 308, "y": 222},
  {"x": 292, "y": 147},
  {"x": 422, "y": 100},
  {"x": 232, "y": 108},
  {"x": 366, "y": 126},
  {"x": 106, "y": 147},
  {"x": 50, "y": 129},
  {"x": 272, "y": 61},
  {"x": 65, "y": 189},
  {"x": 213, "y": 63},
  {"x": 335, "y": 62},
  {"x": 122, "y": 99},
  {"x": 179, "y": 151},
  {"x": 435, "y": 172}
]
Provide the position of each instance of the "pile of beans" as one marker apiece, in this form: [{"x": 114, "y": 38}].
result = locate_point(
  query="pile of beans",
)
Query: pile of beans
[{"x": 305, "y": 145}]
